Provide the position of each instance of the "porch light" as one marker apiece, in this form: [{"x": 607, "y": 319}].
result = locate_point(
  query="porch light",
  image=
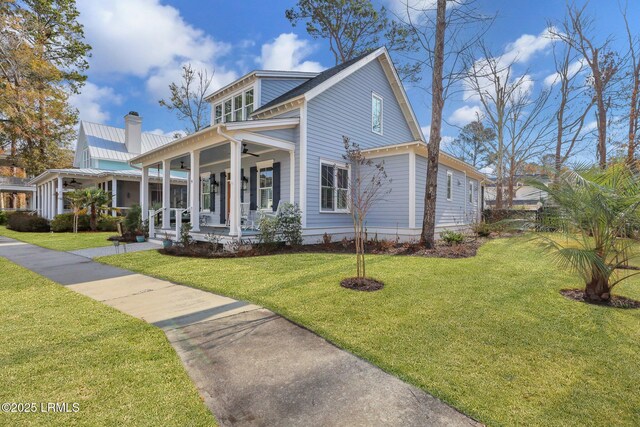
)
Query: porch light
[
  {"x": 214, "y": 184},
  {"x": 245, "y": 181}
]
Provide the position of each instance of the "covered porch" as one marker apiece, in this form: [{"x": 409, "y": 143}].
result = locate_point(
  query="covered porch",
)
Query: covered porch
[{"x": 235, "y": 173}]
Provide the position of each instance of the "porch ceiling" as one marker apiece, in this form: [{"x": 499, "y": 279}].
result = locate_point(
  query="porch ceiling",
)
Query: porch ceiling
[{"x": 214, "y": 154}]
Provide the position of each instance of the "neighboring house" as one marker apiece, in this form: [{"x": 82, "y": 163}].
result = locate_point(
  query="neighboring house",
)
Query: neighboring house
[
  {"x": 277, "y": 137},
  {"x": 101, "y": 160},
  {"x": 526, "y": 197},
  {"x": 15, "y": 191}
]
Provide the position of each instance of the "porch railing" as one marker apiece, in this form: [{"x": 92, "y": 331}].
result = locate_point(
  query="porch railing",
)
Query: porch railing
[
  {"x": 179, "y": 213},
  {"x": 152, "y": 220}
]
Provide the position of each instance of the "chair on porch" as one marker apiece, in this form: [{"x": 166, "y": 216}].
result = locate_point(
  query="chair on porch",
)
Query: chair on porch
[{"x": 246, "y": 221}]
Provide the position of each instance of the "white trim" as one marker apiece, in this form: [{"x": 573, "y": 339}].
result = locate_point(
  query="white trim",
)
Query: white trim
[
  {"x": 254, "y": 76},
  {"x": 292, "y": 177},
  {"x": 267, "y": 141},
  {"x": 336, "y": 166},
  {"x": 204, "y": 175},
  {"x": 449, "y": 188},
  {"x": 412, "y": 189},
  {"x": 277, "y": 123},
  {"x": 264, "y": 164},
  {"x": 303, "y": 163},
  {"x": 374, "y": 95},
  {"x": 259, "y": 166}
]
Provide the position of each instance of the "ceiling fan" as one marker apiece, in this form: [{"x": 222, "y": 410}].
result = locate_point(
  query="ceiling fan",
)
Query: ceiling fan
[
  {"x": 72, "y": 183},
  {"x": 245, "y": 150},
  {"x": 182, "y": 166}
]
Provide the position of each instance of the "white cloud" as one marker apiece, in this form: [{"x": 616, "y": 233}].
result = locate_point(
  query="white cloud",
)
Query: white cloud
[
  {"x": 171, "y": 133},
  {"x": 287, "y": 52},
  {"x": 426, "y": 130},
  {"x": 158, "y": 82},
  {"x": 91, "y": 100},
  {"x": 526, "y": 46},
  {"x": 465, "y": 114},
  {"x": 411, "y": 8},
  {"x": 573, "y": 69}
]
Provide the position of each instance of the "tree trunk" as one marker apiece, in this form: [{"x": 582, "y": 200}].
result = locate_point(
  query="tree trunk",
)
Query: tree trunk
[
  {"x": 598, "y": 288},
  {"x": 92, "y": 219},
  {"x": 427, "y": 237},
  {"x": 633, "y": 122}
]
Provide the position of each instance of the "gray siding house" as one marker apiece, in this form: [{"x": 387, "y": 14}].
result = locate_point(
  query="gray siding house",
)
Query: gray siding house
[{"x": 277, "y": 136}]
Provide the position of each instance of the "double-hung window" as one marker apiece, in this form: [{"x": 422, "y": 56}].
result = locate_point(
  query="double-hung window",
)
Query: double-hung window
[
  {"x": 265, "y": 186},
  {"x": 248, "y": 104},
  {"x": 237, "y": 108},
  {"x": 449, "y": 185},
  {"x": 376, "y": 113},
  {"x": 205, "y": 192},
  {"x": 217, "y": 118},
  {"x": 334, "y": 188},
  {"x": 227, "y": 111},
  {"x": 471, "y": 192}
]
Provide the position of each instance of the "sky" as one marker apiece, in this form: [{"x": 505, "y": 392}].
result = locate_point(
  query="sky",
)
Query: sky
[{"x": 139, "y": 47}]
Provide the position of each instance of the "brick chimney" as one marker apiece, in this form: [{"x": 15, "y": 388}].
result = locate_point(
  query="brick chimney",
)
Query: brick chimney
[{"x": 133, "y": 132}]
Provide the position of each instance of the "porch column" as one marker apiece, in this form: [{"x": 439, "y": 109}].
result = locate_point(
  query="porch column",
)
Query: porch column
[
  {"x": 114, "y": 196},
  {"x": 235, "y": 184},
  {"x": 194, "y": 181},
  {"x": 54, "y": 211},
  {"x": 292, "y": 177},
  {"x": 166, "y": 194},
  {"x": 50, "y": 212},
  {"x": 43, "y": 201},
  {"x": 60, "y": 196},
  {"x": 144, "y": 193}
]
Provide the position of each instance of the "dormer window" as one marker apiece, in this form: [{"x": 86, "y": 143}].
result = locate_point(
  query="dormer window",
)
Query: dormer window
[
  {"x": 376, "y": 113},
  {"x": 237, "y": 107}
]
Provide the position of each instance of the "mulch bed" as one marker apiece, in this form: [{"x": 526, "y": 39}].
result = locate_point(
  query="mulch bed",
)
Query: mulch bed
[
  {"x": 362, "y": 284},
  {"x": 204, "y": 250},
  {"x": 615, "y": 301}
]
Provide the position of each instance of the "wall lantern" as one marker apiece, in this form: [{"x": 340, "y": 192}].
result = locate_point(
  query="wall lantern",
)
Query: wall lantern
[
  {"x": 245, "y": 181},
  {"x": 214, "y": 184}
]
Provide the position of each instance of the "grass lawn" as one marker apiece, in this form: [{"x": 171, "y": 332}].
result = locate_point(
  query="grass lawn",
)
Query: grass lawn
[
  {"x": 491, "y": 334},
  {"x": 62, "y": 241},
  {"x": 59, "y": 346}
]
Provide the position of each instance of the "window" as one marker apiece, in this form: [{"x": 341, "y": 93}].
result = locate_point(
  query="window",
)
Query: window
[
  {"x": 218, "y": 114},
  {"x": 155, "y": 193},
  {"x": 205, "y": 192},
  {"x": 85, "y": 161},
  {"x": 470, "y": 192},
  {"x": 227, "y": 110},
  {"x": 248, "y": 104},
  {"x": 376, "y": 114},
  {"x": 265, "y": 187},
  {"x": 237, "y": 108},
  {"x": 449, "y": 186},
  {"x": 334, "y": 188}
]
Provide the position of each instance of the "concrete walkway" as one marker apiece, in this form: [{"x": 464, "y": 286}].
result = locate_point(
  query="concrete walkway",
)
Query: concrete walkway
[
  {"x": 251, "y": 366},
  {"x": 114, "y": 250}
]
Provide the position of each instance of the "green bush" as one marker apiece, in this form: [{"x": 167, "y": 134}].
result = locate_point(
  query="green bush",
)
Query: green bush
[
  {"x": 21, "y": 221},
  {"x": 133, "y": 220},
  {"x": 108, "y": 223},
  {"x": 289, "y": 223},
  {"x": 451, "y": 237},
  {"x": 63, "y": 223},
  {"x": 481, "y": 229},
  {"x": 3, "y": 218}
]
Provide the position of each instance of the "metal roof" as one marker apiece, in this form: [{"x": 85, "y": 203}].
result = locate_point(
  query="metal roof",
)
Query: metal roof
[
  {"x": 102, "y": 173},
  {"x": 107, "y": 142}
]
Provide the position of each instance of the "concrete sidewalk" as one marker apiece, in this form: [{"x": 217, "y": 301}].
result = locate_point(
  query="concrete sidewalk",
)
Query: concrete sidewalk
[
  {"x": 251, "y": 366},
  {"x": 120, "y": 249}
]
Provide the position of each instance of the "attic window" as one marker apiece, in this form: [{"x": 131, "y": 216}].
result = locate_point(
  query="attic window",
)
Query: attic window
[{"x": 376, "y": 114}]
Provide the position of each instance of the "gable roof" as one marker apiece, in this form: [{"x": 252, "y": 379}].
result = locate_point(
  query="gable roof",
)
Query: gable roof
[
  {"x": 310, "y": 84},
  {"x": 107, "y": 142}
]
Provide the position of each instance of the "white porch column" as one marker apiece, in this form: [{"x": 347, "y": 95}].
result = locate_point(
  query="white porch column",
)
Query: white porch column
[
  {"x": 51, "y": 206},
  {"x": 292, "y": 177},
  {"x": 43, "y": 201},
  {"x": 235, "y": 184},
  {"x": 114, "y": 196},
  {"x": 60, "y": 196},
  {"x": 144, "y": 193},
  {"x": 166, "y": 194},
  {"x": 194, "y": 182},
  {"x": 54, "y": 210}
]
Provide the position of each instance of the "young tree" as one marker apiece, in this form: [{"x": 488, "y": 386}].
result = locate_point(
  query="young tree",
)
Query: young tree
[
  {"x": 573, "y": 105},
  {"x": 187, "y": 99},
  {"x": 77, "y": 200},
  {"x": 577, "y": 31},
  {"x": 472, "y": 144},
  {"x": 352, "y": 28},
  {"x": 368, "y": 185},
  {"x": 96, "y": 200}
]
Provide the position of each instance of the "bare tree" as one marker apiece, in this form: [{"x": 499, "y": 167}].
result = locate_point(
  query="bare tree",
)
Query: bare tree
[
  {"x": 633, "y": 77},
  {"x": 577, "y": 31},
  {"x": 367, "y": 186},
  {"x": 443, "y": 39},
  {"x": 471, "y": 144},
  {"x": 574, "y": 105},
  {"x": 187, "y": 99}
]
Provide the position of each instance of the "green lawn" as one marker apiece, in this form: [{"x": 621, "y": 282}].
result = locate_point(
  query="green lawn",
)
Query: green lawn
[
  {"x": 59, "y": 346},
  {"x": 62, "y": 241},
  {"x": 491, "y": 335}
]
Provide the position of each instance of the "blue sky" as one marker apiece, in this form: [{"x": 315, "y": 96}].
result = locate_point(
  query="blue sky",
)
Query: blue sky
[{"x": 140, "y": 45}]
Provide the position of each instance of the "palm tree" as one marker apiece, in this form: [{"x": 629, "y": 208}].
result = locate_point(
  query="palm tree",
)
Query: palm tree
[
  {"x": 597, "y": 212},
  {"x": 96, "y": 200},
  {"x": 76, "y": 199}
]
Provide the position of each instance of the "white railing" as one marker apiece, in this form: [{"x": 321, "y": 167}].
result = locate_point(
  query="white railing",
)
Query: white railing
[
  {"x": 152, "y": 221},
  {"x": 179, "y": 213}
]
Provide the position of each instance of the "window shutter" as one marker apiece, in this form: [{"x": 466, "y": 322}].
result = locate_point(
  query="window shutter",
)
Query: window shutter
[
  {"x": 212, "y": 178},
  {"x": 241, "y": 191},
  {"x": 276, "y": 185},
  {"x": 253, "y": 188},
  {"x": 223, "y": 190}
]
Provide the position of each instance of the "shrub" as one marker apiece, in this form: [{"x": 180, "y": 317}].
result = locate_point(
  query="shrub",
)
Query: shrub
[
  {"x": 451, "y": 237},
  {"x": 133, "y": 220},
  {"x": 481, "y": 229},
  {"x": 268, "y": 226},
  {"x": 62, "y": 223},
  {"x": 185, "y": 235},
  {"x": 20, "y": 221},
  {"x": 289, "y": 223},
  {"x": 108, "y": 223},
  {"x": 3, "y": 217}
]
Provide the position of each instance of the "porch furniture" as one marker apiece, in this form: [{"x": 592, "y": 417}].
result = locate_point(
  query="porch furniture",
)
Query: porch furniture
[{"x": 245, "y": 213}]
